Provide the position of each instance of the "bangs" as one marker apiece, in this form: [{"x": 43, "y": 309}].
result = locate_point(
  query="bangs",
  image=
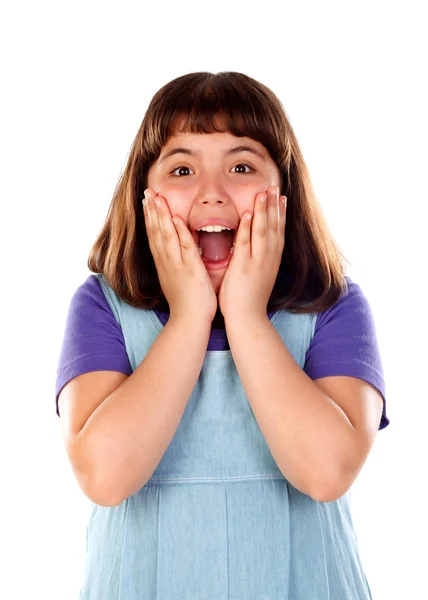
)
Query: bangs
[{"x": 240, "y": 106}]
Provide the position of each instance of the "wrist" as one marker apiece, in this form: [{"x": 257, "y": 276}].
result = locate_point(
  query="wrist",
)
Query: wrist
[
  {"x": 191, "y": 322},
  {"x": 241, "y": 317}
]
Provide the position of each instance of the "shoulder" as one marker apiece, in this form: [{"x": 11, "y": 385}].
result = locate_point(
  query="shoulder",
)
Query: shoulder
[
  {"x": 89, "y": 294},
  {"x": 350, "y": 319},
  {"x": 352, "y": 301}
]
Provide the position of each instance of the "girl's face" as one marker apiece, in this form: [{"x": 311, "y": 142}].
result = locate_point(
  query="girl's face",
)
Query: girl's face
[{"x": 205, "y": 179}]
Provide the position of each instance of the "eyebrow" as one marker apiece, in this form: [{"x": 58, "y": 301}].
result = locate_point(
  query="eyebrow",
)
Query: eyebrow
[{"x": 226, "y": 153}]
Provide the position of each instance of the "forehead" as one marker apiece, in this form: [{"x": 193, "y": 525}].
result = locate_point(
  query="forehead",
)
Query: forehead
[{"x": 211, "y": 142}]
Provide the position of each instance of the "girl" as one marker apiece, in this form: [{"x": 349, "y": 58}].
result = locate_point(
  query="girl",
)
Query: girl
[{"x": 219, "y": 385}]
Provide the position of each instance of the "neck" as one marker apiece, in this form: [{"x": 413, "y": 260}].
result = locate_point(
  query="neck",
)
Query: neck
[{"x": 218, "y": 321}]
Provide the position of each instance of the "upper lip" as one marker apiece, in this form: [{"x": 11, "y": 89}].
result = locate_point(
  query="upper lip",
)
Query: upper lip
[{"x": 214, "y": 221}]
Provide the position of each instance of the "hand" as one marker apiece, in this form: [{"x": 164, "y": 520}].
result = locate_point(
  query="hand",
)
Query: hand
[
  {"x": 253, "y": 269},
  {"x": 182, "y": 274}
]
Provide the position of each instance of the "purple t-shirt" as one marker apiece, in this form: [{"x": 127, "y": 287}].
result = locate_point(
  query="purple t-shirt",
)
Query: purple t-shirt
[{"x": 344, "y": 341}]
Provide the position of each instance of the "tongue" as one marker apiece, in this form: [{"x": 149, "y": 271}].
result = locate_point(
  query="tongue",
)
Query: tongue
[{"x": 216, "y": 245}]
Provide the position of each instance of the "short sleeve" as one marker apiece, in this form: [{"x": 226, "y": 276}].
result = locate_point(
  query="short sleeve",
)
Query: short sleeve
[
  {"x": 345, "y": 343},
  {"x": 93, "y": 340}
]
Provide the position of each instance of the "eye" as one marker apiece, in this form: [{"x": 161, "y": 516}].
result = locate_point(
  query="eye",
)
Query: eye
[
  {"x": 244, "y": 165},
  {"x": 238, "y": 165},
  {"x": 179, "y": 168}
]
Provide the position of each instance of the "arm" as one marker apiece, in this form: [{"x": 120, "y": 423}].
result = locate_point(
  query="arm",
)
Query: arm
[
  {"x": 126, "y": 437},
  {"x": 307, "y": 433}
]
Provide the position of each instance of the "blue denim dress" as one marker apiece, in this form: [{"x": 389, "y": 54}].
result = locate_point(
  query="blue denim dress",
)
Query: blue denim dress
[{"x": 218, "y": 520}]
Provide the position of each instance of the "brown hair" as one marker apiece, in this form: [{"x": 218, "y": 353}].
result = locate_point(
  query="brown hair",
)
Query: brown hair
[{"x": 311, "y": 276}]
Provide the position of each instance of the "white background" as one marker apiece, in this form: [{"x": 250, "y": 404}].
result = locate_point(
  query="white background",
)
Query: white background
[{"x": 77, "y": 78}]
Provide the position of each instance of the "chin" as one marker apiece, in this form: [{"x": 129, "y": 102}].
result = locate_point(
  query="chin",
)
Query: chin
[{"x": 216, "y": 279}]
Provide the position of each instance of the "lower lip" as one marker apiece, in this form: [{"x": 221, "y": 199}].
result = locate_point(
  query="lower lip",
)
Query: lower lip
[{"x": 216, "y": 266}]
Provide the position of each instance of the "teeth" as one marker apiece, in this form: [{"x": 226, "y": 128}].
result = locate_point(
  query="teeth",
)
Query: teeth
[{"x": 212, "y": 228}]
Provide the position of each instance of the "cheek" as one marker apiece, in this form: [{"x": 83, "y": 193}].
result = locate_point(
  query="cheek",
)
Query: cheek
[
  {"x": 175, "y": 199},
  {"x": 245, "y": 202}
]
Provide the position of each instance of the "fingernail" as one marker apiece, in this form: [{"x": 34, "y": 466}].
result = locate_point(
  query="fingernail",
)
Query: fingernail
[{"x": 147, "y": 194}]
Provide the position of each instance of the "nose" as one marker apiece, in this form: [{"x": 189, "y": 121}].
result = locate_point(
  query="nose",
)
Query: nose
[
  {"x": 213, "y": 194},
  {"x": 212, "y": 187},
  {"x": 213, "y": 199}
]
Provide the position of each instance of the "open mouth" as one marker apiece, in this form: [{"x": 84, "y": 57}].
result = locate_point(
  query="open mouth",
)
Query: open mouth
[
  {"x": 215, "y": 246},
  {"x": 196, "y": 235}
]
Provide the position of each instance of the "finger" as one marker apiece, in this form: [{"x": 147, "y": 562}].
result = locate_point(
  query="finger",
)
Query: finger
[
  {"x": 275, "y": 211},
  {"x": 283, "y": 213},
  {"x": 273, "y": 215},
  {"x": 259, "y": 237},
  {"x": 242, "y": 249},
  {"x": 282, "y": 220},
  {"x": 168, "y": 235},
  {"x": 151, "y": 220},
  {"x": 189, "y": 250}
]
